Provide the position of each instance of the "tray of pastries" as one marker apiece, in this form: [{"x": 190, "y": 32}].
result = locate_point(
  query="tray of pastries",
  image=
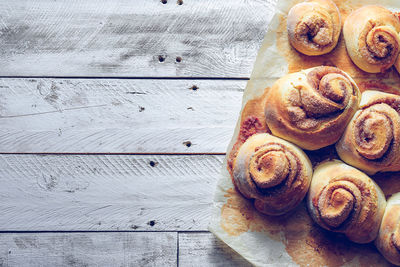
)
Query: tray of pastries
[{"x": 312, "y": 174}]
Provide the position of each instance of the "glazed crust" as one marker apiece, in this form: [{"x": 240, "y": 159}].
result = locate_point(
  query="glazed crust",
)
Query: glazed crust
[
  {"x": 371, "y": 34},
  {"x": 314, "y": 27},
  {"x": 311, "y": 108},
  {"x": 371, "y": 141},
  {"x": 274, "y": 172},
  {"x": 388, "y": 240},
  {"x": 344, "y": 199}
]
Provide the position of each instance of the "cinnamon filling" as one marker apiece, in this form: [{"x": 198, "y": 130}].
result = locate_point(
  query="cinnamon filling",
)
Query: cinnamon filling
[
  {"x": 379, "y": 44},
  {"x": 271, "y": 165},
  {"x": 373, "y": 132},
  {"x": 333, "y": 86},
  {"x": 396, "y": 238},
  {"x": 315, "y": 28},
  {"x": 329, "y": 93},
  {"x": 269, "y": 169},
  {"x": 338, "y": 203}
]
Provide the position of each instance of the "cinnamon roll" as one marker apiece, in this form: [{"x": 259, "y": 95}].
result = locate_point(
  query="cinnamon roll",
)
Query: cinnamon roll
[
  {"x": 397, "y": 64},
  {"x": 314, "y": 27},
  {"x": 273, "y": 172},
  {"x": 345, "y": 200},
  {"x": 371, "y": 34},
  {"x": 311, "y": 108},
  {"x": 371, "y": 141},
  {"x": 388, "y": 240}
]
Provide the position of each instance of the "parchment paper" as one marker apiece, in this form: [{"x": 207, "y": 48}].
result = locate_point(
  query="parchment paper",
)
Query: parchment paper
[{"x": 293, "y": 239}]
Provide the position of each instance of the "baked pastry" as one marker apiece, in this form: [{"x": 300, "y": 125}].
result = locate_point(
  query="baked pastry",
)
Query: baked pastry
[
  {"x": 371, "y": 141},
  {"x": 397, "y": 64},
  {"x": 372, "y": 38},
  {"x": 345, "y": 200},
  {"x": 272, "y": 171},
  {"x": 388, "y": 240},
  {"x": 311, "y": 108},
  {"x": 314, "y": 27}
]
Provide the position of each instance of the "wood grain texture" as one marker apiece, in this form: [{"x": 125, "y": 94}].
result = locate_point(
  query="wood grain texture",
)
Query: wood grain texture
[
  {"x": 124, "y": 38},
  {"x": 113, "y": 192},
  {"x": 118, "y": 115},
  {"x": 204, "y": 249},
  {"x": 88, "y": 249}
]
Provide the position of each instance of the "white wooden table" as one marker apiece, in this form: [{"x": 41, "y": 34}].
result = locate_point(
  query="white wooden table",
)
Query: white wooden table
[{"x": 114, "y": 120}]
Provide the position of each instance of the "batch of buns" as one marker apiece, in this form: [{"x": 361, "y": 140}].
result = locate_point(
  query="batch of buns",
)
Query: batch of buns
[{"x": 322, "y": 106}]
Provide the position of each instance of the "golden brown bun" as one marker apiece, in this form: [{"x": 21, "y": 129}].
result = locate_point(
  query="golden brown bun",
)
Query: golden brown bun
[
  {"x": 311, "y": 108},
  {"x": 397, "y": 64},
  {"x": 372, "y": 38},
  {"x": 272, "y": 171},
  {"x": 371, "y": 141},
  {"x": 388, "y": 240},
  {"x": 345, "y": 200},
  {"x": 314, "y": 27}
]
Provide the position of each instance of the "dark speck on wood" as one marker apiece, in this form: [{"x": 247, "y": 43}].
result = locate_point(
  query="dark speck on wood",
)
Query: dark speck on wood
[
  {"x": 187, "y": 143},
  {"x": 127, "y": 55},
  {"x": 136, "y": 93},
  {"x": 153, "y": 163},
  {"x": 70, "y": 260},
  {"x": 48, "y": 182}
]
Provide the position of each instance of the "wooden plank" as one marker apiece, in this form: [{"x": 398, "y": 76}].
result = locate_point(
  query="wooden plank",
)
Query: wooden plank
[
  {"x": 118, "y": 115},
  {"x": 204, "y": 249},
  {"x": 107, "y": 192},
  {"x": 124, "y": 38},
  {"x": 88, "y": 249}
]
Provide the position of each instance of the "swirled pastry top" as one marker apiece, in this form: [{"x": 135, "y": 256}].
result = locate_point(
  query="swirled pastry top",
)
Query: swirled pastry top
[
  {"x": 372, "y": 39},
  {"x": 371, "y": 141},
  {"x": 388, "y": 240},
  {"x": 344, "y": 199},
  {"x": 314, "y": 27},
  {"x": 311, "y": 108},
  {"x": 272, "y": 171}
]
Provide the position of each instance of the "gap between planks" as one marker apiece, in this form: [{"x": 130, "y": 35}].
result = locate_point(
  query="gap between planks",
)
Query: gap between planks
[
  {"x": 108, "y": 231},
  {"x": 112, "y": 154},
  {"x": 127, "y": 78}
]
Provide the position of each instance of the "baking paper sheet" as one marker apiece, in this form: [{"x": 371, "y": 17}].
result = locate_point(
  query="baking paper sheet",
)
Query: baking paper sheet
[{"x": 293, "y": 239}]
